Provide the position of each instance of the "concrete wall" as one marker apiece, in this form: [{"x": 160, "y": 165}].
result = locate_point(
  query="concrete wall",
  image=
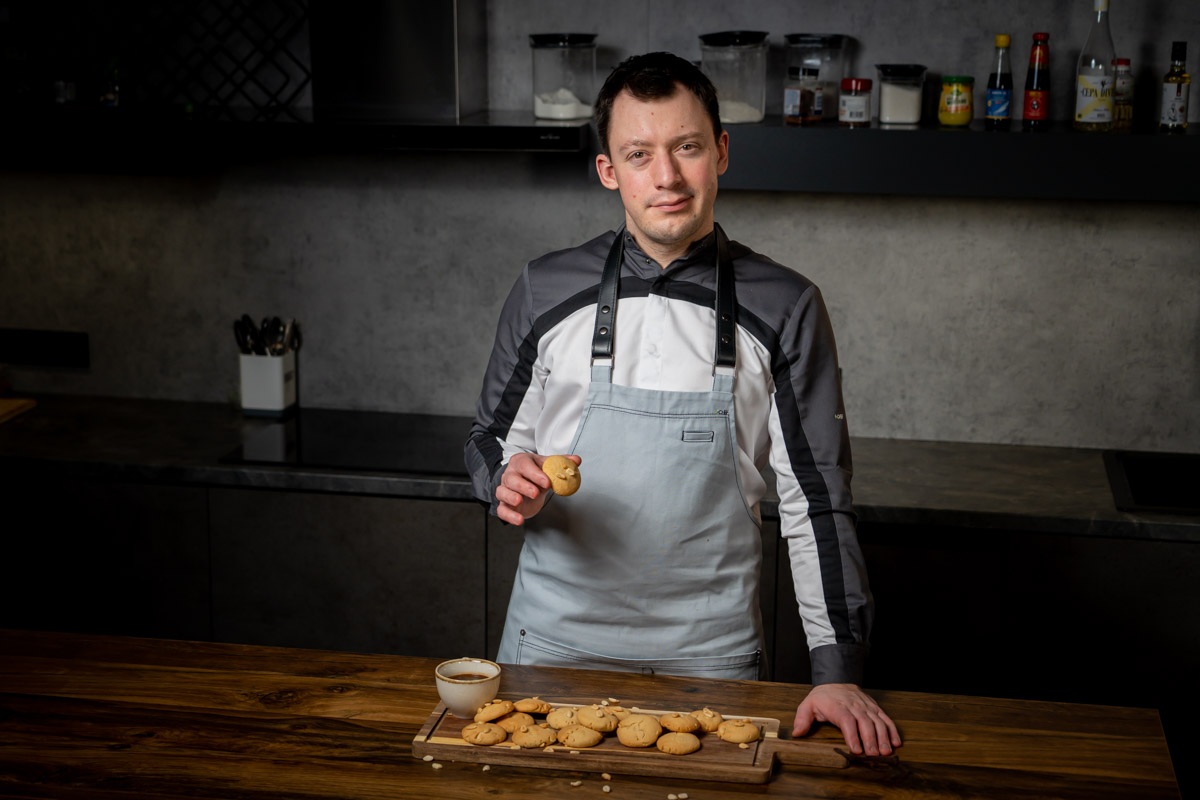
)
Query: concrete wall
[{"x": 984, "y": 320}]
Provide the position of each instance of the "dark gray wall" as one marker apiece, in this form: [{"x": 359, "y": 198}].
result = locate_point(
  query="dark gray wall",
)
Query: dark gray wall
[{"x": 1002, "y": 321}]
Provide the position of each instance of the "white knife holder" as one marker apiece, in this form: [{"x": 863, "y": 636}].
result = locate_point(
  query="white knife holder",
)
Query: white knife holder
[{"x": 268, "y": 384}]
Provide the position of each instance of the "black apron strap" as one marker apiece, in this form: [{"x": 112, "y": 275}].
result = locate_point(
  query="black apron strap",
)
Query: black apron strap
[
  {"x": 606, "y": 306},
  {"x": 725, "y": 304}
]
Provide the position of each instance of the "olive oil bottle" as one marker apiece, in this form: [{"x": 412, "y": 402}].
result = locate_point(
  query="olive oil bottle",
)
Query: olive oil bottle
[{"x": 1175, "y": 88}]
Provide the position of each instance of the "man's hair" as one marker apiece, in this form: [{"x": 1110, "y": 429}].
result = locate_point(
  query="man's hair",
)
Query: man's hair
[{"x": 654, "y": 76}]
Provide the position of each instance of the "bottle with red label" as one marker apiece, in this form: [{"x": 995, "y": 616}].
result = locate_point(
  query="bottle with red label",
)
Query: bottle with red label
[{"x": 1036, "y": 108}]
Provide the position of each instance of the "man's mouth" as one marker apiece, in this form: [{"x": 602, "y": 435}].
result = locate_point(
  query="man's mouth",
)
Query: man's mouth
[{"x": 671, "y": 204}]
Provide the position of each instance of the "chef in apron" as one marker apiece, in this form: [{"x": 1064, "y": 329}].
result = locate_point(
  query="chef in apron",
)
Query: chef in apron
[{"x": 653, "y": 566}]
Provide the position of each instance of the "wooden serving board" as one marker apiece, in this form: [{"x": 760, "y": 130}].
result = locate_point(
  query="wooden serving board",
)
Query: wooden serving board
[{"x": 715, "y": 760}]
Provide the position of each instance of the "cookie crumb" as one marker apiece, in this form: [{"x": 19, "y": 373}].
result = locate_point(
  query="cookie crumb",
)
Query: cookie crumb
[
  {"x": 427, "y": 758},
  {"x": 606, "y": 788},
  {"x": 672, "y": 797},
  {"x": 613, "y": 700},
  {"x": 574, "y": 752},
  {"x": 683, "y": 796},
  {"x": 487, "y": 767},
  {"x": 549, "y": 749},
  {"x": 436, "y": 765},
  {"x": 606, "y": 776},
  {"x": 576, "y": 783},
  {"x": 743, "y": 746}
]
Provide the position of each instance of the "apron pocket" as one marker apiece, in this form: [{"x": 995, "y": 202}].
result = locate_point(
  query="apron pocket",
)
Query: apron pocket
[{"x": 535, "y": 650}]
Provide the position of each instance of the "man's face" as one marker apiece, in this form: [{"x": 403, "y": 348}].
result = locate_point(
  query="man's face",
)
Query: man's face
[{"x": 665, "y": 162}]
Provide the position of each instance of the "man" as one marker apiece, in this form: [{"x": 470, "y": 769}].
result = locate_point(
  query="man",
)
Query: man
[{"x": 719, "y": 362}]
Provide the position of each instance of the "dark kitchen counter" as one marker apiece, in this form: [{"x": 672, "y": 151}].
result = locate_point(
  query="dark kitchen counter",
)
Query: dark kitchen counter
[{"x": 949, "y": 484}]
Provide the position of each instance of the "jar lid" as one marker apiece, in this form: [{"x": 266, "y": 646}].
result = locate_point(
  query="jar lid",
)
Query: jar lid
[
  {"x": 1121, "y": 62},
  {"x": 826, "y": 41},
  {"x": 1003, "y": 40},
  {"x": 733, "y": 38},
  {"x": 958, "y": 79},
  {"x": 1041, "y": 37},
  {"x": 900, "y": 71},
  {"x": 856, "y": 84},
  {"x": 561, "y": 39}
]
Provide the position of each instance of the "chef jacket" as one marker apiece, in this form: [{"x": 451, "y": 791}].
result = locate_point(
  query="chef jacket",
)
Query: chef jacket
[{"x": 787, "y": 396}]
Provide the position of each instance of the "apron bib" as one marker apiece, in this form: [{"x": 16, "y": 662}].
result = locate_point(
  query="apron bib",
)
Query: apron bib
[{"x": 654, "y": 565}]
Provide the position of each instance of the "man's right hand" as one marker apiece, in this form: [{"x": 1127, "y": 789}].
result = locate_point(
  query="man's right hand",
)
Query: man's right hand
[{"x": 523, "y": 488}]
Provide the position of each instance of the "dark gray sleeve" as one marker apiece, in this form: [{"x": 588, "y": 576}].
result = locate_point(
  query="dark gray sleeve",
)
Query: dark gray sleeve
[
  {"x": 813, "y": 470},
  {"x": 507, "y": 380}
]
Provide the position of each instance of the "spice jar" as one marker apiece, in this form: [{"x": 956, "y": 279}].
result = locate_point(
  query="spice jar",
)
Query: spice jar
[
  {"x": 956, "y": 107},
  {"x": 854, "y": 103}
]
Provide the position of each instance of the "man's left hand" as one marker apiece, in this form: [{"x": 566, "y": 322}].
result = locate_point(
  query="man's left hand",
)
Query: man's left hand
[{"x": 861, "y": 720}]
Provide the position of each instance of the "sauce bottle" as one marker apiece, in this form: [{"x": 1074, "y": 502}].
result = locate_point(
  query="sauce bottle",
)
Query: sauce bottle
[
  {"x": 999, "y": 88},
  {"x": 1175, "y": 88},
  {"x": 1036, "y": 108}
]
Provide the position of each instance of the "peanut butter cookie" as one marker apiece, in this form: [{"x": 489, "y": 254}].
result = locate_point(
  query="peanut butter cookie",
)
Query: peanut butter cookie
[
  {"x": 679, "y": 723},
  {"x": 563, "y": 474},
  {"x": 709, "y": 720},
  {"x": 678, "y": 744},
  {"x": 738, "y": 731},
  {"x": 598, "y": 718},
  {"x": 563, "y": 716},
  {"x": 579, "y": 736},
  {"x": 533, "y": 705},
  {"x": 638, "y": 730},
  {"x": 531, "y": 736},
  {"x": 484, "y": 733},
  {"x": 493, "y": 710},
  {"x": 514, "y": 720}
]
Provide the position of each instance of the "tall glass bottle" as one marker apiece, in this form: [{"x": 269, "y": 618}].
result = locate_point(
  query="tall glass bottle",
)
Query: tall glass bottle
[
  {"x": 1175, "y": 88},
  {"x": 999, "y": 88},
  {"x": 1036, "y": 109},
  {"x": 1095, "y": 75},
  {"x": 1123, "y": 97}
]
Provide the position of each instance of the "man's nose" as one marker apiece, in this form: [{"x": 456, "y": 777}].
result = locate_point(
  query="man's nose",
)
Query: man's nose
[{"x": 666, "y": 171}]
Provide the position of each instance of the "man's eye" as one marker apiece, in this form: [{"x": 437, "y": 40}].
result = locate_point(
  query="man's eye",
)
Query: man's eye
[
  {"x": 688, "y": 146},
  {"x": 637, "y": 154}
]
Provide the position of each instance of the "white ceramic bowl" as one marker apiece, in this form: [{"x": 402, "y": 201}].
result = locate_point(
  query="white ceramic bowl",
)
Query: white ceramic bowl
[{"x": 464, "y": 695}]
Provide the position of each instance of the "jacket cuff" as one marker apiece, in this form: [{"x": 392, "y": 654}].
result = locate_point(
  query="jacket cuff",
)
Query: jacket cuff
[{"x": 838, "y": 663}]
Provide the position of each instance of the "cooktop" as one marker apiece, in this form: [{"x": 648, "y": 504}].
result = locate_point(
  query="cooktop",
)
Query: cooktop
[{"x": 425, "y": 444}]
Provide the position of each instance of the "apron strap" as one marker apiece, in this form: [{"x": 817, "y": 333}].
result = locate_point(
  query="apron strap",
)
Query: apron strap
[{"x": 605, "y": 330}]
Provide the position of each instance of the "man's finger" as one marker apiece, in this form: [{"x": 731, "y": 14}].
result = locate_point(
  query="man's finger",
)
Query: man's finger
[
  {"x": 849, "y": 727},
  {"x": 804, "y": 720},
  {"x": 882, "y": 739},
  {"x": 866, "y": 731}
]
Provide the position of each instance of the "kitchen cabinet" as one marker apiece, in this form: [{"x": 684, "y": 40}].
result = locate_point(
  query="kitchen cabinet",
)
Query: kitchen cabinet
[
  {"x": 101, "y": 556},
  {"x": 372, "y": 574}
]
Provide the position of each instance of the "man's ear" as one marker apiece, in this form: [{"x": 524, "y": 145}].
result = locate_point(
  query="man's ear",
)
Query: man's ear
[
  {"x": 723, "y": 153},
  {"x": 606, "y": 171}
]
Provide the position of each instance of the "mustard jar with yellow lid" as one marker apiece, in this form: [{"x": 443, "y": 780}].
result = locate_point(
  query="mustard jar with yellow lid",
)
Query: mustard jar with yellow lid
[{"x": 956, "y": 107}]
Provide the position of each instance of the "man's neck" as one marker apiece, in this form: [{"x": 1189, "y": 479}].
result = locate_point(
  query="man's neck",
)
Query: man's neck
[{"x": 663, "y": 255}]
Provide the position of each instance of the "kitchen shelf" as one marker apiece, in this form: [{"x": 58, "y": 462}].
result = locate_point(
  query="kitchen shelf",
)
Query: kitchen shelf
[
  {"x": 970, "y": 162},
  {"x": 922, "y": 161}
]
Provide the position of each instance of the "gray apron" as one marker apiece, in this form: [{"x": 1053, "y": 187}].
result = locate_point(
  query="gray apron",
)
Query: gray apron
[{"x": 653, "y": 566}]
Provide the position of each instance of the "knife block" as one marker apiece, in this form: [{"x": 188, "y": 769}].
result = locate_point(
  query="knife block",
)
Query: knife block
[{"x": 268, "y": 384}]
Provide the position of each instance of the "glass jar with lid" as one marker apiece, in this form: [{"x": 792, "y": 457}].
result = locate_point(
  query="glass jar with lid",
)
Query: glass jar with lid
[
  {"x": 956, "y": 107},
  {"x": 564, "y": 75},
  {"x": 826, "y": 53},
  {"x": 736, "y": 63}
]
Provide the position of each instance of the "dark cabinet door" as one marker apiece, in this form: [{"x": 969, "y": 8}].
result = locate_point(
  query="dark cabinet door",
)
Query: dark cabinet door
[
  {"x": 104, "y": 557},
  {"x": 343, "y": 572}
]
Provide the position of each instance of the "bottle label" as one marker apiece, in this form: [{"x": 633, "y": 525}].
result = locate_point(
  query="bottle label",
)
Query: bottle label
[
  {"x": 1174, "y": 103},
  {"x": 791, "y": 101},
  {"x": 1123, "y": 86},
  {"x": 1093, "y": 98},
  {"x": 1037, "y": 105},
  {"x": 854, "y": 108},
  {"x": 818, "y": 107},
  {"x": 999, "y": 103}
]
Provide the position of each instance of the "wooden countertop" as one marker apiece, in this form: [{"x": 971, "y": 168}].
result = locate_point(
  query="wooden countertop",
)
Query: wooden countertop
[{"x": 111, "y": 717}]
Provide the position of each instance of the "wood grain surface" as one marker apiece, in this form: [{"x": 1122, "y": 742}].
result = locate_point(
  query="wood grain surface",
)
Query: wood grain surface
[{"x": 110, "y": 717}]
